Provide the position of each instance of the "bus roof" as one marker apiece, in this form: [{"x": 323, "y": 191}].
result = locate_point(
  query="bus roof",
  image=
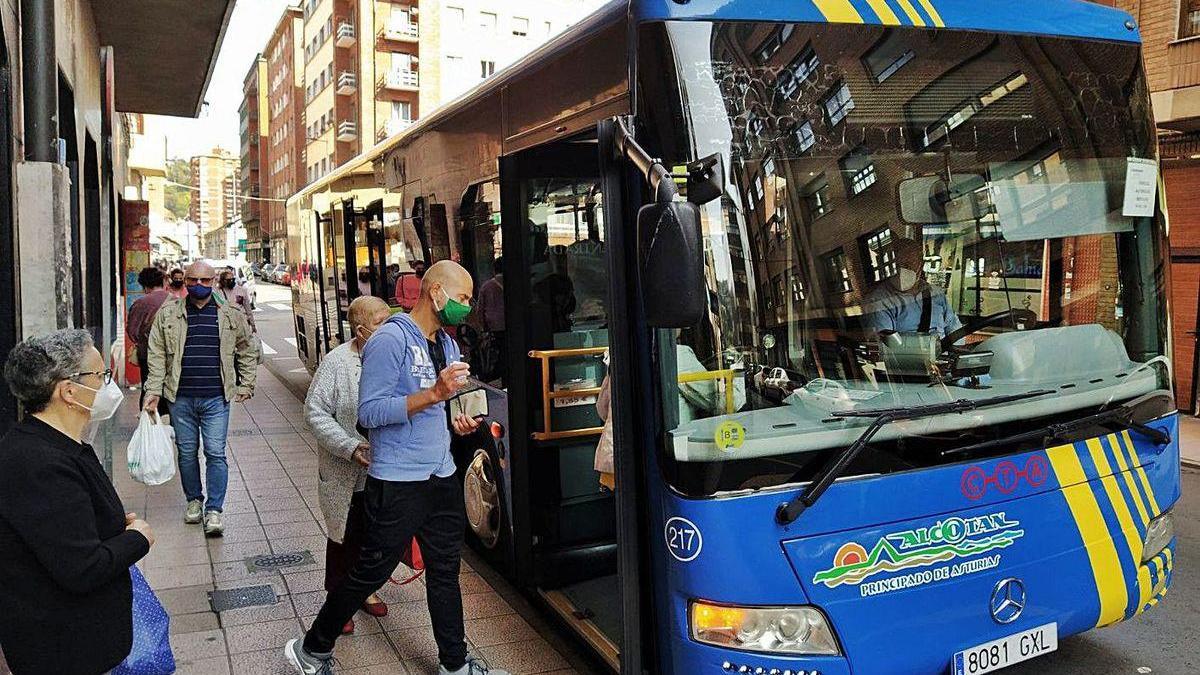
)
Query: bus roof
[{"x": 1066, "y": 18}]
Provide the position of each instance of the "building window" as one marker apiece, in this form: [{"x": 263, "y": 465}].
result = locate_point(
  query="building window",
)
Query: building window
[
  {"x": 486, "y": 69},
  {"x": 769, "y": 47},
  {"x": 456, "y": 15},
  {"x": 548, "y": 28},
  {"x": 858, "y": 168},
  {"x": 838, "y": 104},
  {"x": 878, "y": 250},
  {"x": 520, "y": 27},
  {"x": 816, "y": 197},
  {"x": 804, "y": 136},
  {"x": 1189, "y": 18},
  {"x": 488, "y": 22},
  {"x": 797, "y": 287},
  {"x": 402, "y": 111},
  {"x": 954, "y": 119},
  {"x": 796, "y": 73},
  {"x": 888, "y": 56},
  {"x": 837, "y": 274}
]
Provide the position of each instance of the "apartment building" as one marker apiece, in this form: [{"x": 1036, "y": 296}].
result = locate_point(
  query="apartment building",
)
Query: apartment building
[
  {"x": 215, "y": 200},
  {"x": 284, "y": 166},
  {"x": 372, "y": 67},
  {"x": 467, "y": 41},
  {"x": 255, "y": 129}
]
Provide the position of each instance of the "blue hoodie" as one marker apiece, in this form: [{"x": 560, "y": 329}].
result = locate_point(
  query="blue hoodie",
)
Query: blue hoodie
[{"x": 396, "y": 364}]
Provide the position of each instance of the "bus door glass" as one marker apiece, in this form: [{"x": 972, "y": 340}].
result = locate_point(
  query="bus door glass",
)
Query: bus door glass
[
  {"x": 572, "y": 507},
  {"x": 483, "y": 338}
]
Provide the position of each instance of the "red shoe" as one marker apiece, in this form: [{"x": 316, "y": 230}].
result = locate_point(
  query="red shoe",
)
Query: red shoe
[
  {"x": 348, "y": 628},
  {"x": 378, "y": 609}
]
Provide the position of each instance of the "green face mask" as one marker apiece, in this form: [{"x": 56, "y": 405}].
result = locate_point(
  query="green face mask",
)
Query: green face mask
[{"x": 453, "y": 313}]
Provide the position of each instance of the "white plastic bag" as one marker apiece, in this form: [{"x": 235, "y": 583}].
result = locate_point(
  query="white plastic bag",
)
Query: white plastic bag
[{"x": 151, "y": 453}]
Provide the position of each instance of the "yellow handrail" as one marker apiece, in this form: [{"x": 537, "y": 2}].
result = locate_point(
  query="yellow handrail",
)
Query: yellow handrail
[{"x": 548, "y": 395}]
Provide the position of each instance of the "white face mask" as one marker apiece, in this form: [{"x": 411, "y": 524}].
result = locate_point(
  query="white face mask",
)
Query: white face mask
[
  {"x": 107, "y": 400},
  {"x": 905, "y": 280}
]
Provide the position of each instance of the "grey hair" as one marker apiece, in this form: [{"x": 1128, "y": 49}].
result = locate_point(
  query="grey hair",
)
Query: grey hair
[{"x": 36, "y": 366}]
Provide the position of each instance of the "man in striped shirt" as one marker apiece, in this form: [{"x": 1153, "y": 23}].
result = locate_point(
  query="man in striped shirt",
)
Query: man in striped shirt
[{"x": 201, "y": 358}]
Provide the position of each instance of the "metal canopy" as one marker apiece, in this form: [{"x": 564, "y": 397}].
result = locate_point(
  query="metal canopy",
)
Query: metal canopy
[{"x": 164, "y": 50}]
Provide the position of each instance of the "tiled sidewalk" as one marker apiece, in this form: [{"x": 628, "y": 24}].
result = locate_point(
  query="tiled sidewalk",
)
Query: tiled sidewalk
[{"x": 271, "y": 509}]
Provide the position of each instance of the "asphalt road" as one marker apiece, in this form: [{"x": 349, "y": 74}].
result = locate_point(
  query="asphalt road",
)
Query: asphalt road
[{"x": 1164, "y": 640}]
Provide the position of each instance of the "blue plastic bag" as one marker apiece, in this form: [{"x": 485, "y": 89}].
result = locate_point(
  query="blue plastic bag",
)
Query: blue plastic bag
[{"x": 151, "y": 653}]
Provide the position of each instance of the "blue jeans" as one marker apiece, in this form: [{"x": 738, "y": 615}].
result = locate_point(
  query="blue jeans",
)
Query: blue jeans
[{"x": 194, "y": 419}]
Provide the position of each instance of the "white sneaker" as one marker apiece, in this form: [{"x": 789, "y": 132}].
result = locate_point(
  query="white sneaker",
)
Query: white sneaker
[
  {"x": 213, "y": 527},
  {"x": 305, "y": 663},
  {"x": 195, "y": 509},
  {"x": 473, "y": 666}
]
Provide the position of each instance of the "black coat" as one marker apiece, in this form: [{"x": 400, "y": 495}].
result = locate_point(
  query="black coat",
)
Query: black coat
[{"x": 65, "y": 594}]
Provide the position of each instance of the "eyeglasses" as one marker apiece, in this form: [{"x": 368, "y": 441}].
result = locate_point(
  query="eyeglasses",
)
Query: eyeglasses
[{"x": 106, "y": 375}]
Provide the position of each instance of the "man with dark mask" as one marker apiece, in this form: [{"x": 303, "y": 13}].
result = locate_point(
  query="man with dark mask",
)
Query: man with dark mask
[
  {"x": 176, "y": 285},
  {"x": 229, "y": 292}
]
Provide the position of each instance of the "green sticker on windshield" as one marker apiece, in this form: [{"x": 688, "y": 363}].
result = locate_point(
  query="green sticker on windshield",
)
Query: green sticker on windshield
[{"x": 730, "y": 435}]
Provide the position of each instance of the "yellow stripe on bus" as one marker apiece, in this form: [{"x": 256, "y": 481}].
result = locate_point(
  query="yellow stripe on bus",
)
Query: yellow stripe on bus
[
  {"x": 913, "y": 15},
  {"x": 884, "y": 12},
  {"x": 1119, "y": 452},
  {"x": 1101, "y": 552},
  {"x": 1124, "y": 518},
  {"x": 1169, "y": 555},
  {"x": 933, "y": 14},
  {"x": 838, "y": 11},
  {"x": 1154, "y": 510}
]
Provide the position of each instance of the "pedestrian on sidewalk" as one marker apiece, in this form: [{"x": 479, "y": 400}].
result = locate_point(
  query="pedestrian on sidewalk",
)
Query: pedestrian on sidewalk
[
  {"x": 141, "y": 317},
  {"x": 177, "y": 288},
  {"x": 411, "y": 368},
  {"x": 228, "y": 292},
  {"x": 331, "y": 412},
  {"x": 408, "y": 286},
  {"x": 201, "y": 357},
  {"x": 66, "y": 542}
]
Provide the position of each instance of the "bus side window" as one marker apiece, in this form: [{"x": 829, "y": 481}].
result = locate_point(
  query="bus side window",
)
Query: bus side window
[{"x": 484, "y": 336}]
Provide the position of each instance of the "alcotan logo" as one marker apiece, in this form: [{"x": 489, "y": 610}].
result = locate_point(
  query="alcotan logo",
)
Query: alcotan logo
[{"x": 943, "y": 541}]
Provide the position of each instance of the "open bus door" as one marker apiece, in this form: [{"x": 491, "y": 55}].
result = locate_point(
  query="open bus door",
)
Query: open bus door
[{"x": 567, "y": 545}]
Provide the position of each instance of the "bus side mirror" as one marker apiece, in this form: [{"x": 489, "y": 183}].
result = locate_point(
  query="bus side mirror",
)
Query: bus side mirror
[{"x": 671, "y": 262}]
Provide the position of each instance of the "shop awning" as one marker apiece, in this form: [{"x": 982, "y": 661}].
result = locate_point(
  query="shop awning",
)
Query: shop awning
[{"x": 164, "y": 51}]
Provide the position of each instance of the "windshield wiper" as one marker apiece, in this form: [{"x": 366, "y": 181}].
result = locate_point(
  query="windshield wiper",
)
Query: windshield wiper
[
  {"x": 789, "y": 511},
  {"x": 1121, "y": 415}
]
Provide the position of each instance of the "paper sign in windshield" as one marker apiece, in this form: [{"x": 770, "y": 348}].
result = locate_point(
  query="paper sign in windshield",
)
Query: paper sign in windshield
[{"x": 1141, "y": 186}]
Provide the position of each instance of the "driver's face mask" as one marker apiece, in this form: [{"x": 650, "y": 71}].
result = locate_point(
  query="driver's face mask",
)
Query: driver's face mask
[{"x": 905, "y": 279}]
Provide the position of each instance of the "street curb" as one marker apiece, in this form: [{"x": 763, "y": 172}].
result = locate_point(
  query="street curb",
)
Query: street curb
[{"x": 1190, "y": 463}]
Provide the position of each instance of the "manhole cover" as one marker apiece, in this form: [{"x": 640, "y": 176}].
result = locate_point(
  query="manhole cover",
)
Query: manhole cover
[
  {"x": 274, "y": 561},
  {"x": 237, "y": 598}
]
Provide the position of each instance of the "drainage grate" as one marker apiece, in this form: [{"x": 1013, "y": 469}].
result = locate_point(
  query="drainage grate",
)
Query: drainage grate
[
  {"x": 240, "y": 432},
  {"x": 237, "y": 598},
  {"x": 265, "y": 563}
]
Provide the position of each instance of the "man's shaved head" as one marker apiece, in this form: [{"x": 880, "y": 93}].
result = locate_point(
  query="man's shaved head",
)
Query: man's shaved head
[
  {"x": 200, "y": 269},
  {"x": 368, "y": 311},
  {"x": 451, "y": 276}
]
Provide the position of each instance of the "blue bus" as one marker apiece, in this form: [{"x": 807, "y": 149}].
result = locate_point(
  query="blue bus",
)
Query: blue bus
[{"x": 870, "y": 291}]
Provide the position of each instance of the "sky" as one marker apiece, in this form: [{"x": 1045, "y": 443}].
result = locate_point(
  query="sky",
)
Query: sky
[{"x": 249, "y": 29}]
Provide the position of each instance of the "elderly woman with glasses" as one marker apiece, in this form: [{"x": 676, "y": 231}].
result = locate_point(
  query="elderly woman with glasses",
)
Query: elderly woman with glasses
[
  {"x": 331, "y": 411},
  {"x": 66, "y": 542}
]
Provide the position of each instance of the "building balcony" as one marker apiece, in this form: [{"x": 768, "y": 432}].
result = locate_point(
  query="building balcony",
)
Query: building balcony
[
  {"x": 400, "y": 80},
  {"x": 347, "y": 82},
  {"x": 346, "y": 35},
  {"x": 399, "y": 31},
  {"x": 347, "y": 130},
  {"x": 393, "y": 127}
]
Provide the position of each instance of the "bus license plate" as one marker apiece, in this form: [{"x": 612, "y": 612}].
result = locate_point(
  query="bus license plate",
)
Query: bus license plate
[{"x": 1006, "y": 651}]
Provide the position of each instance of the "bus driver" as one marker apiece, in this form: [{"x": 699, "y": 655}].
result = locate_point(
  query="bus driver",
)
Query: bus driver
[{"x": 906, "y": 302}]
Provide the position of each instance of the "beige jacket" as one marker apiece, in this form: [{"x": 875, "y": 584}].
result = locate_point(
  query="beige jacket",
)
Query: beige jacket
[{"x": 239, "y": 352}]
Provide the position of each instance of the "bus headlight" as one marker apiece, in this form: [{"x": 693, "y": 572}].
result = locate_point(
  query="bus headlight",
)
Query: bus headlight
[
  {"x": 1159, "y": 533},
  {"x": 780, "y": 630}
]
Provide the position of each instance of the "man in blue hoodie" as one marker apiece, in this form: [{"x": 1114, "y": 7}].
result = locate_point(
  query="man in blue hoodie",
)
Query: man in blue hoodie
[{"x": 410, "y": 369}]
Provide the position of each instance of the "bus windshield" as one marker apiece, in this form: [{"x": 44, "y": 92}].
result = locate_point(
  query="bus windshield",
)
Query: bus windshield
[{"x": 910, "y": 216}]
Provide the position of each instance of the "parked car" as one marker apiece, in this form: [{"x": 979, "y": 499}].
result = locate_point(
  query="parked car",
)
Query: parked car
[
  {"x": 265, "y": 271},
  {"x": 283, "y": 275}
]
